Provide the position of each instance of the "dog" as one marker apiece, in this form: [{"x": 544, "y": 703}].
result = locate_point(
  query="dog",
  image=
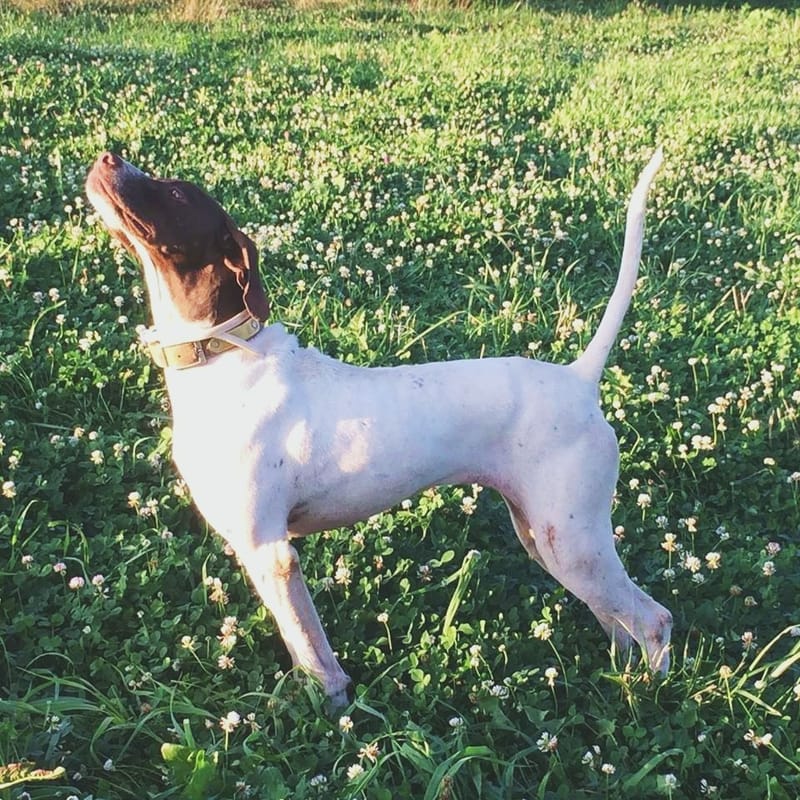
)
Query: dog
[{"x": 278, "y": 441}]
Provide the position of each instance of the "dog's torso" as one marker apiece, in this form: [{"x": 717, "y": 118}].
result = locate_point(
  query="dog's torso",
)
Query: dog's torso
[{"x": 301, "y": 436}]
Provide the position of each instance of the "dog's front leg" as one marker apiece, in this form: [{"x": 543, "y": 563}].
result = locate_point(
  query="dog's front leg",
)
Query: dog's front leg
[{"x": 274, "y": 568}]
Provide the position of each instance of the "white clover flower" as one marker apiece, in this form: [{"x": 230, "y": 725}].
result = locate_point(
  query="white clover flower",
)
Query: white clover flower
[
  {"x": 230, "y": 721},
  {"x": 345, "y": 724},
  {"x": 713, "y": 560},
  {"x": 342, "y": 576},
  {"x": 608, "y": 769},
  {"x": 758, "y": 741},
  {"x": 457, "y": 722},
  {"x": 551, "y": 673},
  {"x": 370, "y": 751},
  {"x": 702, "y": 442},
  {"x": 76, "y": 583},
  {"x": 226, "y": 662},
  {"x": 547, "y": 743},
  {"x": 692, "y": 563},
  {"x": 9, "y": 489},
  {"x": 228, "y": 633},
  {"x": 670, "y": 543},
  {"x": 644, "y": 500},
  {"x": 355, "y": 771},
  {"x": 768, "y": 569},
  {"x": 542, "y": 631},
  {"x": 217, "y": 593},
  {"x": 229, "y": 625},
  {"x": 59, "y": 567}
]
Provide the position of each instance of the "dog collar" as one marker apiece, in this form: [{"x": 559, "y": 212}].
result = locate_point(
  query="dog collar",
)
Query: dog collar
[{"x": 234, "y": 333}]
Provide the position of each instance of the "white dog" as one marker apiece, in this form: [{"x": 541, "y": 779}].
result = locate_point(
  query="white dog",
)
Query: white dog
[{"x": 276, "y": 441}]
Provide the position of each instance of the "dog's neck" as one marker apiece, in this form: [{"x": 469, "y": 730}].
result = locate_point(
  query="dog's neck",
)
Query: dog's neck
[{"x": 187, "y": 307}]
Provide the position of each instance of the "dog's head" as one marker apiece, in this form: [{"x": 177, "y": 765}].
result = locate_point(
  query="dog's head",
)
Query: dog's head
[{"x": 189, "y": 247}]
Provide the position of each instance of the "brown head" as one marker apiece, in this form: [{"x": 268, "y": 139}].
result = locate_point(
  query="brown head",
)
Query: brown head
[{"x": 199, "y": 267}]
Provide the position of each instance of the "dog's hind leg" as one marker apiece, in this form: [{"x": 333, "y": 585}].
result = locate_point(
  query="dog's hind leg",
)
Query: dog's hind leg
[{"x": 568, "y": 518}]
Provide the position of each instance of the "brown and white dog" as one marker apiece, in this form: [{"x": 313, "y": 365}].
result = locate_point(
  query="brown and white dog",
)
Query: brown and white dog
[{"x": 275, "y": 440}]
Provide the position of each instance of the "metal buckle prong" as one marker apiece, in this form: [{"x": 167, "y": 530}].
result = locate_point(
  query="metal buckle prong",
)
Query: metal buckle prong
[{"x": 199, "y": 353}]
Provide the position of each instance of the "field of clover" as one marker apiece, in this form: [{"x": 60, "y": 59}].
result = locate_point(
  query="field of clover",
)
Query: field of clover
[{"x": 422, "y": 184}]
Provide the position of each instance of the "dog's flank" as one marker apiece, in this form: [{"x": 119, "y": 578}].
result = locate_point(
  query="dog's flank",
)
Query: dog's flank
[{"x": 275, "y": 440}]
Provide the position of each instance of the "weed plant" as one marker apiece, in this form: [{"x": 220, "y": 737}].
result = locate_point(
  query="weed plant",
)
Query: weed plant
[{"x": 422, "y": 184}]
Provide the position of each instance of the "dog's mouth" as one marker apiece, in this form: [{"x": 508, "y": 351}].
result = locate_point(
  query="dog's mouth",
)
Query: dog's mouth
[
  {"x": 135, "y": 225},
  {"x": 105, "y": 190}
]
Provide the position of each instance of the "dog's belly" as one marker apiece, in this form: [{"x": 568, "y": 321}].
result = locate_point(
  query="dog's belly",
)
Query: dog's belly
[
  {"x": 357, "y": 502},
  {"x": 382, "y": 435}
]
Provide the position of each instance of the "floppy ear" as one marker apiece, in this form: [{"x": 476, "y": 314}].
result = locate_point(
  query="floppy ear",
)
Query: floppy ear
[{"x": 244, "y": 265}]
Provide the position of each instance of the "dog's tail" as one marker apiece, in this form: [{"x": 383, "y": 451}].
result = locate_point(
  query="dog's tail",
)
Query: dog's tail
[{"x": 589, "y": 365}]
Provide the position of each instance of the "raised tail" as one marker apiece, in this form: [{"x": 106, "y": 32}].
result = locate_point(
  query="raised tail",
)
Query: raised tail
[{"x": 590, "y": 364}]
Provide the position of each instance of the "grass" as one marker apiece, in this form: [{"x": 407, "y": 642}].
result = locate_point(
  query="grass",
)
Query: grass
[{"x": 423, "y": 183}]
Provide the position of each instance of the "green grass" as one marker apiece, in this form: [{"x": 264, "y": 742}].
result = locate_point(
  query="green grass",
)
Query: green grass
[{"x": 422, "y": 184}]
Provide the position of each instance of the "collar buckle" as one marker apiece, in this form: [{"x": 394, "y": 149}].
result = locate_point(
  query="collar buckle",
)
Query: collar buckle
[{"x": 199, "y": 354}]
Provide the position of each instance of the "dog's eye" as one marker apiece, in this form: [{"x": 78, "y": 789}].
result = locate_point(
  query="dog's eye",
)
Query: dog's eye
[
  {"x": 170, "y": 249},
  {"x": 177, "y": 194}
]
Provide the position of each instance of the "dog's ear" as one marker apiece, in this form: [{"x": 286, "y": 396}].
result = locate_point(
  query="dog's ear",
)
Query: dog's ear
[{"x": 242, "y": 260}]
